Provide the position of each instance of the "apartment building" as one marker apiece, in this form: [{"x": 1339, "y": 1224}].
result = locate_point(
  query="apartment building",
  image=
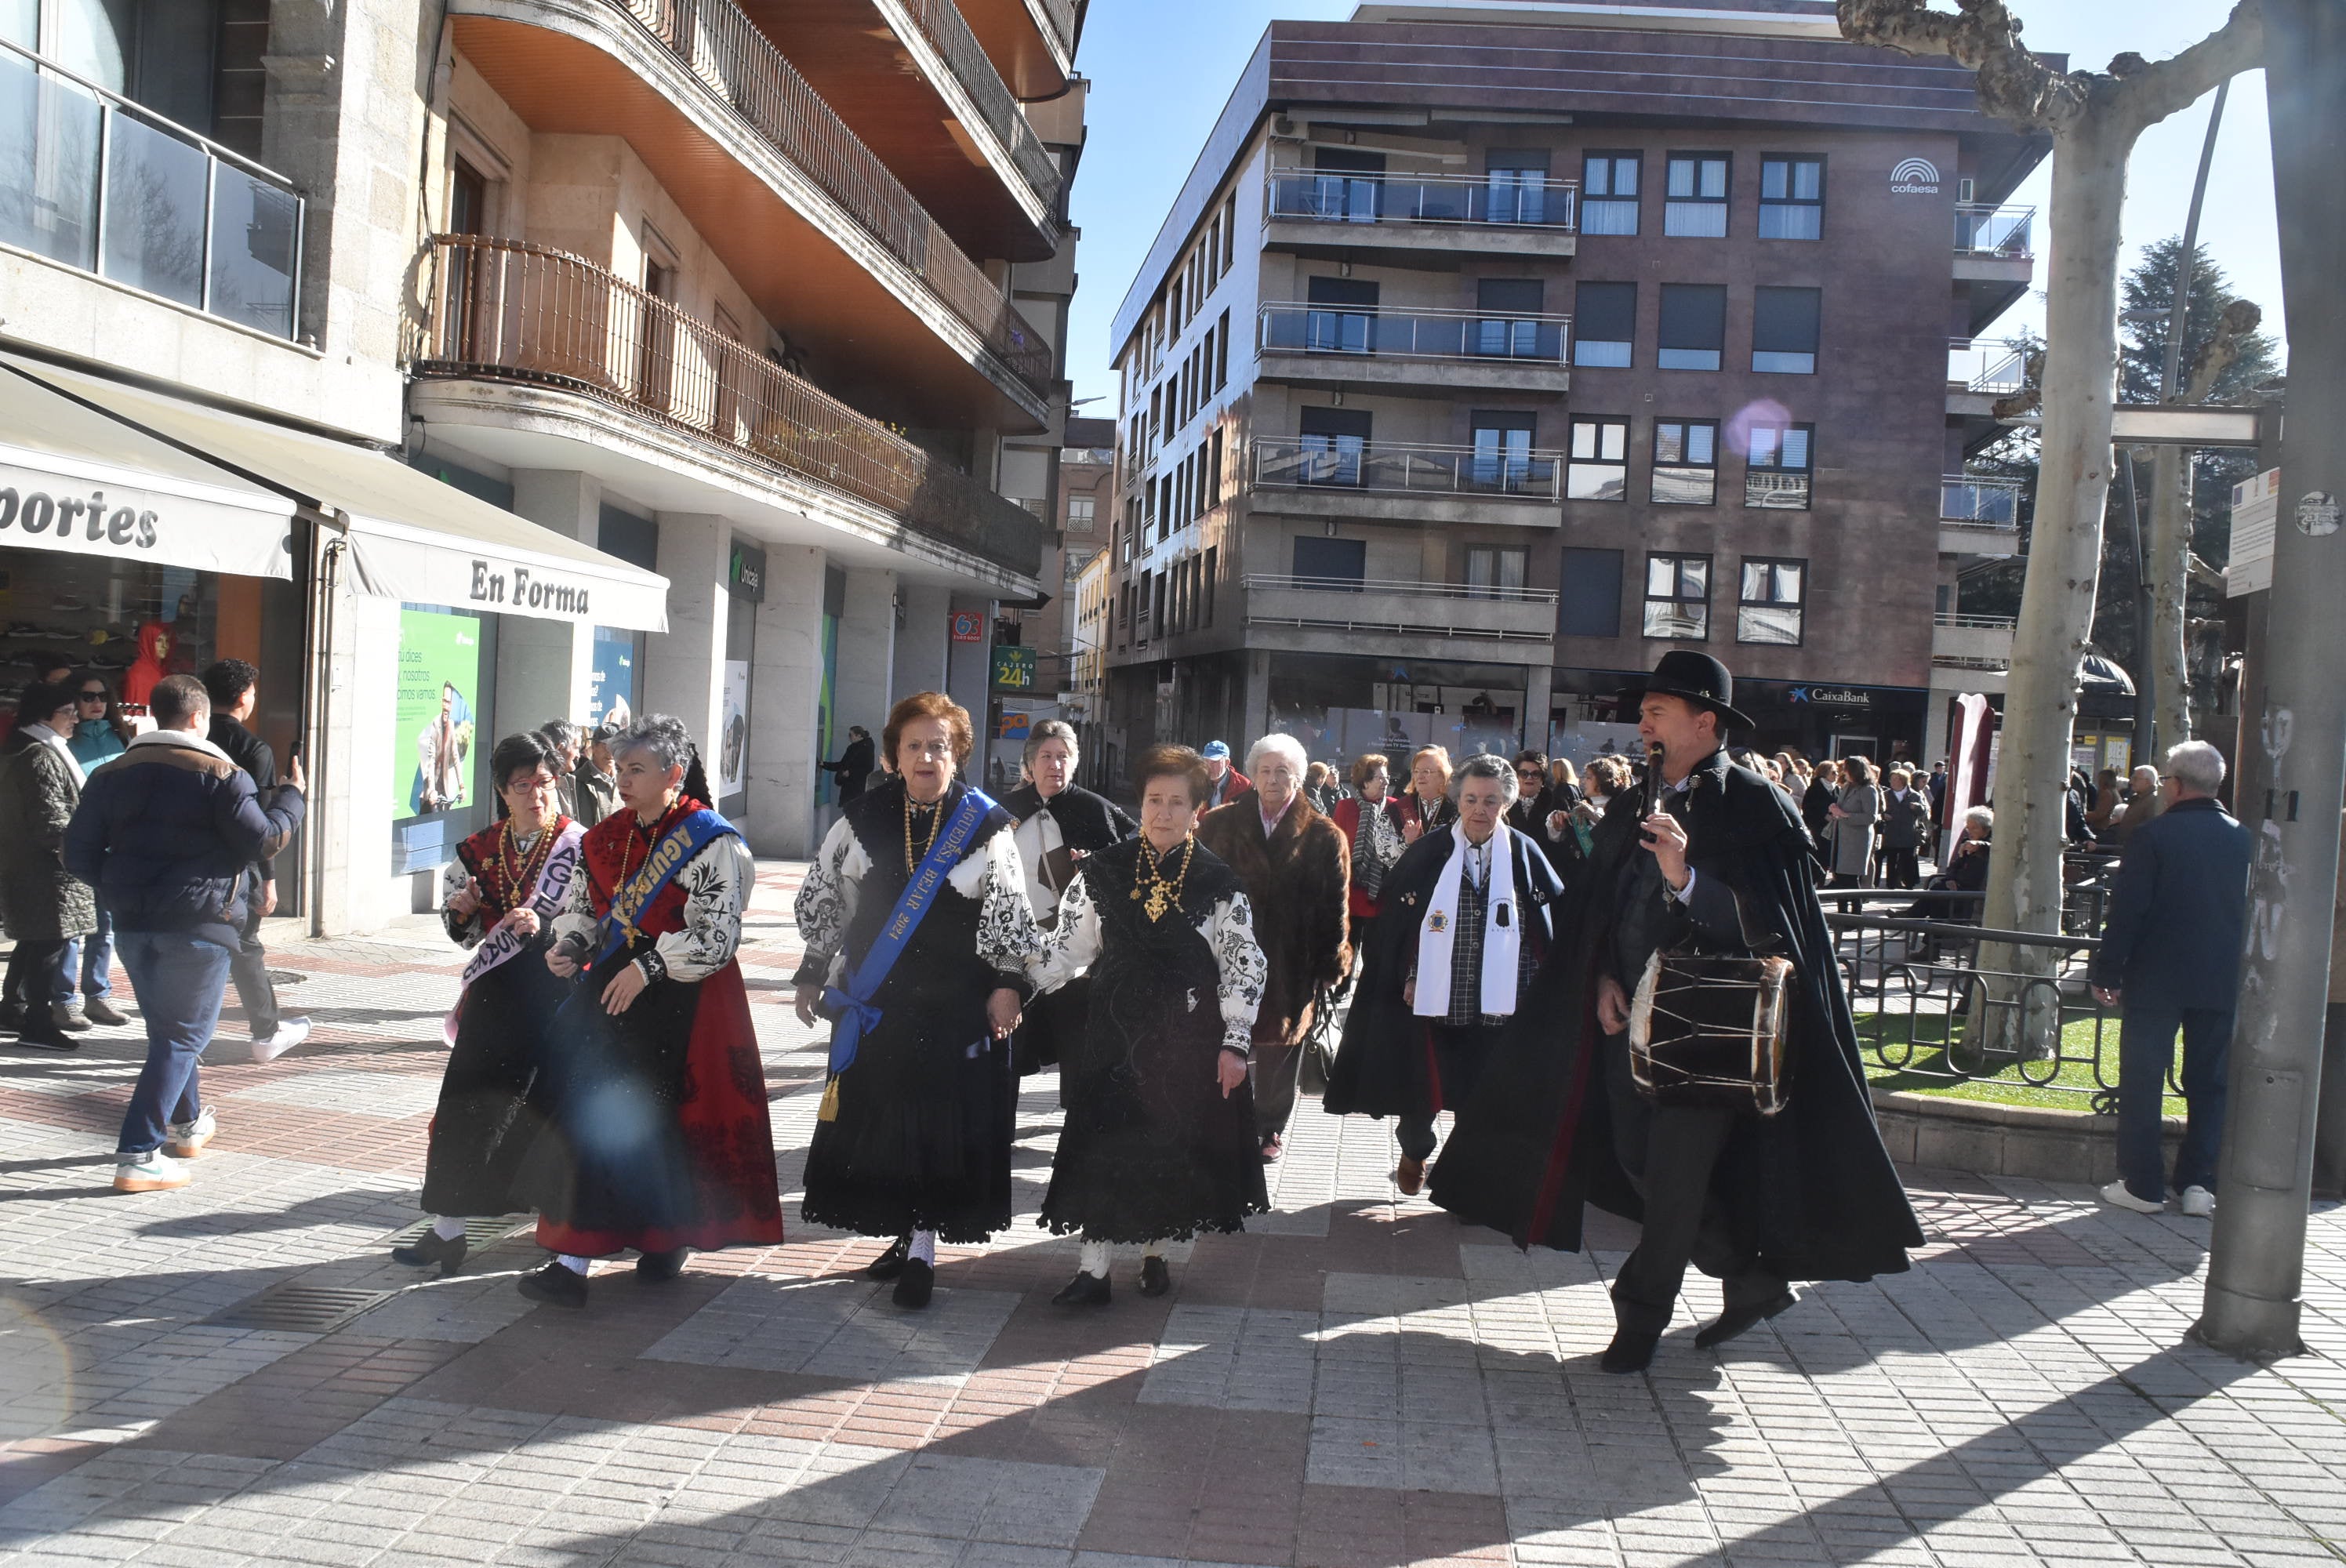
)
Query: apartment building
[
  {"x": 1491, "y": 349},
  {"x": 466, "y": 366}
]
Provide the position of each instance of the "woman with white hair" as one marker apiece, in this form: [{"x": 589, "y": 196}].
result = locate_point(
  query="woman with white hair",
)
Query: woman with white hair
[{"x": 1296, "y": 869}]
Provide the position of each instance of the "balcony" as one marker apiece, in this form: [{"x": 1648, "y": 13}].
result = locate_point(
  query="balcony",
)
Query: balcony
[
  {"x": 1972, "y": 642},
  {"x": 1994, "y": 253},
  {"x": 1344, "y": 610},
  {"x": 1399, "y": 482},
  {"x": 107, "y": 187},
  {"x": 1346, "y": 215},
  {"x": 1032, "y": 43},
  {"x": 1979, "y": 516},
  {"x": 909, "y": 79},
  {"x": 1423, "y": 352},
  {"x": 830, "y": 246},
  {"x": 505, "y": 311}
]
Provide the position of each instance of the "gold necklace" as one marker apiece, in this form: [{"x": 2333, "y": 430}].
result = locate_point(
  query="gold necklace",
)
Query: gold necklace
[
  {"x": 936, "y": 820},
  {"x": 1163, "y": 893}
]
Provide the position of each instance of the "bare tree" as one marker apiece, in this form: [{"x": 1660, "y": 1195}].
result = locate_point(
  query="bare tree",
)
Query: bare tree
[{"x": 2093, "y": 118}]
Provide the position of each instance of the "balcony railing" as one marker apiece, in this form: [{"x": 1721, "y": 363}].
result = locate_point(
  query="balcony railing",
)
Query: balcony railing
[
  {"x": 1062, "y": 15},
  {"x": 1980, "y": 502},
  {"x": 725, "y": 49},
  {"x": 1974, "y": 622},
  {"x": 1338, "y": 464},
  {"x": 90, "y": 179},
  {"x": 947, "y": 31},
  {"x": 508, "y": 311},
  {"x": 1255, "y": 582},
  {"x": 1338, "y": 198},
  {"x": 2004, "y": 232},
  {"x": 1366, "y": 331},
  {"x": 1987, "y": 365}
]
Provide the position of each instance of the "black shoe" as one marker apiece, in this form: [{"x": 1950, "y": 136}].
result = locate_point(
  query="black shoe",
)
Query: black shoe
[
  {"x": 46, "y": 1036},
  {"x": 1629, "y": 1352},
  {"x": 432, "y": 1247},
  {"x": 891, "y": 1263},
  {"x": 913, "y": 1284},
  {"x": 98, "y": 1010},
  {"x": 557, "y": 1284},
  {"x": 659, "y": 1268},
  {"x": 1730, "y": 1324},
  {"x": 12, "y": 1016},
  {"x": 1156, "y": 1279},
  {"x": 1082, "y": 1290}
]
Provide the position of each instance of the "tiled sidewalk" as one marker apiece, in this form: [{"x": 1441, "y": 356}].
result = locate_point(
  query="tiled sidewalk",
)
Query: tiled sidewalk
[{"x": 1357, "y": 1379}]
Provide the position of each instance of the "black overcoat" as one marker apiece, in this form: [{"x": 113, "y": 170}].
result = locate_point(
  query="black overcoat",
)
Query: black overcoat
[
  {"x": 1812, "y": 1185},
  {"x": 1383, "y": 1066}
]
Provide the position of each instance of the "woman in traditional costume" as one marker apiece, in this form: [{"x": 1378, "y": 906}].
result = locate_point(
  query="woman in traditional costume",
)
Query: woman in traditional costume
[
  {"x": 1159, "y": 1141},
  {"x": 659, "y": 1139},
  {"x": 1059, "y": 823},
  {"x": 503, "y": 892},
  {"x": 913, "y": 1138}
]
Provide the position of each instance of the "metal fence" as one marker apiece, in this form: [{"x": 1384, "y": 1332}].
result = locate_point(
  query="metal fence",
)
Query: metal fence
[
  {"x": 510, "y": 310},
  {"x": 947, "y": 31},
  {"x": 740, "y": 64}
]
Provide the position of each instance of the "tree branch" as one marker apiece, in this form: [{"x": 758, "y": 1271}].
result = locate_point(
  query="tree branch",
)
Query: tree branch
[
  {"x": 2151, "y": 91},
  {"x": 2242, "y": 317},
  {"x": 2015, "y": 85}
]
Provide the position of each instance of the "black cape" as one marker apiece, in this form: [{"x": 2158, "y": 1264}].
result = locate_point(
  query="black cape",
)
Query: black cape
[
  {"x": 1088, "y": 823},
  {"x": 1384, "y": 1067},
  {"x": 1812, "y": 1185}
]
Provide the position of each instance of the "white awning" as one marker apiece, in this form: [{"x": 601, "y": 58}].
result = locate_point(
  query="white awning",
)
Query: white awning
[
  {"x": 78, "y": 481},
  {"x": 412, "y": 537}
]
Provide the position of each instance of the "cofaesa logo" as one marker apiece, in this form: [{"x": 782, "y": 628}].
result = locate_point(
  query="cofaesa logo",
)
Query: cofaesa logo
[
  {"x": 1830, "y": 696},
  {"x": 1915, "y": 177}
]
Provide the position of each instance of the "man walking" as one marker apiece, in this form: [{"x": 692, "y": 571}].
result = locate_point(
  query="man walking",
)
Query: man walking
[
  {"x": 233, "y": 687},
  {"x": 1224, "y": 783},
  {"x": 2169, "y": 959},
  {"x": 169, "y": 833}
]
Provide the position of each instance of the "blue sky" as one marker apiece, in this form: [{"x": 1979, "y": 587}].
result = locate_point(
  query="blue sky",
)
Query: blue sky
[{"x": 1162, "y": 69}]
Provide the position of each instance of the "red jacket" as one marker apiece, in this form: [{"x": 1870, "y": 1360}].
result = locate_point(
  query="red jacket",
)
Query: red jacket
[{"x": 1347, "y": 816}]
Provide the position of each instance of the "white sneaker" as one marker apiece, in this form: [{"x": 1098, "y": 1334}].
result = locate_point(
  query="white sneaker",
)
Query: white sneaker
[
  {"x": 290, "y": 1032},
  {"x": 2117, "y": 1193},
  {"x": 186, "y": 1140},
  {"x": 2198, "y": 1203},
  {"x": 153, "y": 1171}
]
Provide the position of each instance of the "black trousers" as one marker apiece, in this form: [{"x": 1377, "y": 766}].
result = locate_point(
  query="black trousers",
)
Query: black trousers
[
  {"x": 1668, "y": 1153},
  {"x": 1459, "y": 1053},
  {"x": 30, "y": 968},
  {"x": 1899, "y": 868}
]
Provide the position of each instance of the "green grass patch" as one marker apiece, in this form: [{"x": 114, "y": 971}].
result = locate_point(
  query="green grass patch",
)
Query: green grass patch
[{"x": 1911, "y": 1053}]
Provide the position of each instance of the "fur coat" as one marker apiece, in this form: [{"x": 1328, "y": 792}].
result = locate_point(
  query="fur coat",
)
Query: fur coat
[{"x": 1297, "y": 881}]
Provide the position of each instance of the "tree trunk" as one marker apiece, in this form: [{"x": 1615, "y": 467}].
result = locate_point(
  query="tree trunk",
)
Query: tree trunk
[
  {"x": 2168, "y": 548},
  {"x": 2057, "y": 603}
]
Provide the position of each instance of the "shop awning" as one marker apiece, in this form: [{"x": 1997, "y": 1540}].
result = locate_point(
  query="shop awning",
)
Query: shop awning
[
  {"x": 412, "y": 537},
  {"x": 78, "y": 481}
]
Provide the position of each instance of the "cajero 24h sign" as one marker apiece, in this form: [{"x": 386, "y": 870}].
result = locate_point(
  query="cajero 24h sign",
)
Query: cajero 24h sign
[{"x": 1013, "y": 667}]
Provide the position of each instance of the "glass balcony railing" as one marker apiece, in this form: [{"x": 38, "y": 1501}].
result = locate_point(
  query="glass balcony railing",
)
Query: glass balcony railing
[
  {"x": 1369, "y": 332},
  {"x": 1512, "y": 198},
  {"x": 1980, "y": 502},
  {"x": 1343, "y": 462},
  {"x": 94, "y": 181},
  {"x": 1987, "y": 365},
  {"x": 1999, "y": 231}
]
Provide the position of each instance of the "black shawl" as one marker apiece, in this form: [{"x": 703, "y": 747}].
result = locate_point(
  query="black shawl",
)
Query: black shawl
[
  {"x": 1087, "y": 822},
  {"x": 1812, "y": 1184}
]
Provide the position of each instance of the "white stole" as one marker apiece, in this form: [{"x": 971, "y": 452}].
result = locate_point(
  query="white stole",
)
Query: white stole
[
  {"x": 1501, "y": 941},
  {"x": 551, "y": 892}
]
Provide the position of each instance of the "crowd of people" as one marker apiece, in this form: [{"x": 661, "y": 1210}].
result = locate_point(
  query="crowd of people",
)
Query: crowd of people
[{"x": 1488, "y": 940}]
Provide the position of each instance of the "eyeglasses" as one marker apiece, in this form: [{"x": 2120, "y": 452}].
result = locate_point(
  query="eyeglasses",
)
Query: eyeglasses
[{"x": 927, "y": 748}]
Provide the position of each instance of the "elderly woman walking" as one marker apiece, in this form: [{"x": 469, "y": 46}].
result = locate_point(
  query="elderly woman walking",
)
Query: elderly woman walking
[
  {"x": 1371, "y": 828},
  {"x": 1059, "y": 823},
  {"x": 1851, "y": 822},
  {"x": 1294, "y": 864}
]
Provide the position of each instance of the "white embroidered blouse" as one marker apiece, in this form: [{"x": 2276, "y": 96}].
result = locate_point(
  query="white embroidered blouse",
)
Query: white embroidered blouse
[
  {"x": 993, "y": 878},
  {"x": 1070, "y": 947},
  {"x": 715, "y": 884}
]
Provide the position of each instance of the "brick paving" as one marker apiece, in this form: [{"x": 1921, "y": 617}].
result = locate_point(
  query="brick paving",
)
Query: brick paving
[{"x": 1357, "y": 1380}]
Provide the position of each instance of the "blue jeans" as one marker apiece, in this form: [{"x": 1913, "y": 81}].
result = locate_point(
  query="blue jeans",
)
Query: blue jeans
[
  {"x": 178, "y": 980},
  {"x": 2145, "y": 1046},
  {"x": 92, "y": 959}
]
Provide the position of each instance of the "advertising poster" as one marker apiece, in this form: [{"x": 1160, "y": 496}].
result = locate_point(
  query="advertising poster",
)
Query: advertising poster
[
  {"x": 434, "y": 711},
  {"x": 611, "y": 686},
  {"x": 733, "y": 732}
]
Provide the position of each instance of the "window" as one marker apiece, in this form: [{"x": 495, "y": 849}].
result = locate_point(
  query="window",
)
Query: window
[
  {"x": 1209, "y": 571},
  {"x": 1604, "y": 323},
  {"x": 1222, "y": 353},
  {"x": 1230, "y": 230},
  {"x": 1776, "y": 475},
  {"x": 1685, "y": 462},
  {"x": 1509, "y": 328},
  {"x": 1770, "y": 607},
  {"x": 1599, "y": 469},
  {"x": 1332, "y": 443},
  {"x": 1694, "y": 205},
  {"x": 1082, "y": 511},
  {"x": 1329, "y": 329},
  {"x": 1678, "y": 597},
  {"x": 1609, "y": 193},
  {"x": 1515, "y": 187},
  {"x": 1341, "y": 564},
  {"x": 1346, "y": 183},
  {"x": 1694, "y": 326},
  {"x": 1588, "y": 598},
  {"x": 1503, "y": 451},
  {"x": 1784, "y": 331},
  {"x": 1214, "y": 469},
  {"x": 1493, "y": 573},
  {"x": 1791, "y": 198}
]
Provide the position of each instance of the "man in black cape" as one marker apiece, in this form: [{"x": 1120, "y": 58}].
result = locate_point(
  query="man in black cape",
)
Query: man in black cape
[
  {"x": 1458, "y": 899},
  {"x": 1717, "y": 861}
]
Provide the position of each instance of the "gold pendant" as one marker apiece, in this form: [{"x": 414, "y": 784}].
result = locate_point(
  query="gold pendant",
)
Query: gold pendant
[{"x": 1155, "y": 905}]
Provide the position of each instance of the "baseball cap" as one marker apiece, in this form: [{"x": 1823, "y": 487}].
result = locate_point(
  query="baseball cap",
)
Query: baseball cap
[{"x": 1216, "y": 749}]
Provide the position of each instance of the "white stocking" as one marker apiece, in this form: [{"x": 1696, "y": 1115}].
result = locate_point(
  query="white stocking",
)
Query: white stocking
[
  {"x": 575, "y": 1263},
  {"x": 447, "y": 1229},
  {"x": 925, "y": 1248},
  {"x": 1093, "y": 1259}
]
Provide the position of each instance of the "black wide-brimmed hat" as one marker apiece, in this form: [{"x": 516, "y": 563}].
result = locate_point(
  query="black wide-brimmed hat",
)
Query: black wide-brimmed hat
[{"x": 1699, "y": 678}]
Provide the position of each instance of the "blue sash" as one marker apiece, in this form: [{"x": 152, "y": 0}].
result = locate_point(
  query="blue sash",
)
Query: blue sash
[
  {"x": 669, "y": 856},
  {"x": 856, "y": 1015}
]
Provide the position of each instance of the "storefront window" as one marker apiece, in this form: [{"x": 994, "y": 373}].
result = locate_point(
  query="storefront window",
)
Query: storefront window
[
  {"x": 1339, "y": 708},
  {"x": 612, "y": 692}
]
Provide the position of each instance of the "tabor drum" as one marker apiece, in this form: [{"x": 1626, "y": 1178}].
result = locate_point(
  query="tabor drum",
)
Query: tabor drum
[{"x": 1710, "y": 1030}]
